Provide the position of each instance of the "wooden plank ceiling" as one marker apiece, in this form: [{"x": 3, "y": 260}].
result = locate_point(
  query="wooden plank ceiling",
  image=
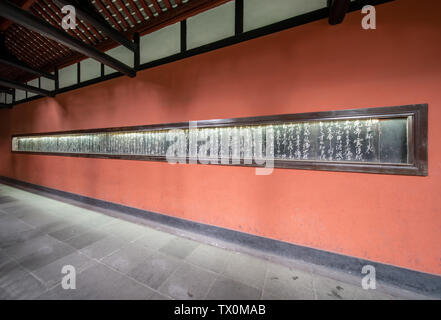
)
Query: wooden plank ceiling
[{"x": 126, "y": 16}]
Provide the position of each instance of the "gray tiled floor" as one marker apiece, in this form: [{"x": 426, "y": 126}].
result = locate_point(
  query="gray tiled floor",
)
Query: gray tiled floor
[{"x": 117, "y": 259}]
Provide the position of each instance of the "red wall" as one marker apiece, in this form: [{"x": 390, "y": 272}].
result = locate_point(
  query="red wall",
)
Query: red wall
[{"x": 316, "y": 67}]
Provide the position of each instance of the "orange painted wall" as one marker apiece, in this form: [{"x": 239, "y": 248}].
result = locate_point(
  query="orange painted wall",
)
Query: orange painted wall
[{"x": 315, "y": 67}]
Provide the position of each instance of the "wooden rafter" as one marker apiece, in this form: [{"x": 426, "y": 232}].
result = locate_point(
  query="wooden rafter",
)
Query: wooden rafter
[
  {"x": 156, "y": 6},
  {"x": 23, "y": 66},
  {"x": 25, "y": 5},
  {"x": 108, "y": 14},
  {"x": 90, "y": 16},
  {"x": 177, "y": 14},
  {"x": 118, "y": 14},
  {"x": 128, "y": 14},
  {"x": 147, "y": 11},
  {"x": 29, "y": 21},
  {"x": 109, "y": 10},
  {"x": 134, "y": 7},
  {"x": 167, "y": 4},
  {"x": 25, "y": 87}
]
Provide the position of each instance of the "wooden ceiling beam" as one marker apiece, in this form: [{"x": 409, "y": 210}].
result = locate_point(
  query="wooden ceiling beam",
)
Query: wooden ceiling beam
[
  {"x": 24, "y": 54},
  {"x": 30, "y": 46},
  {"x": 97, "y": 21},
  {"x": 28, "y": 20},
  {"x": 25, "y": 87},
  {"x": 10, "y": 61},
  {"x": 177, "y": 14},
  {"x": 186, "y": 10},
  {"x": 128, "y": 14},
  {"x": 338, "y": 10},
  {"x": 25, "y": 5},
  {"x": 137, "y": 12},
  {"x": 45, "y": 46},
  {"x": 108, "y": 14},
  {"x": 167, "y": 4},
  {"x": 7, "y": 90},
  {"x": 156, "y": 6},
  {"x": 146, "y": 8},
  {"x": 118, "y": 14},
  {"x": 182, "y": 12},
  {"x": 58, "y": 16},
  {"x": 51, "y": 17}
]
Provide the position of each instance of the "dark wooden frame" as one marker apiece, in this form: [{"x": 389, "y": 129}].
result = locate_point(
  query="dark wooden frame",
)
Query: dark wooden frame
[{"x": 417, "y": 139}]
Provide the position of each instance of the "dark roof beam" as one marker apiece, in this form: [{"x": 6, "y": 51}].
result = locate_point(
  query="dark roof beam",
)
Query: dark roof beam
[
  {"x": 98, "y": 22},
  {"x": 25, "y": 5},
  {"x": 23, "y": 66},
  {"x": 7, "y": 91},
  {"x": 25, "y": 87},
  {"x": 28, "y": 20}
]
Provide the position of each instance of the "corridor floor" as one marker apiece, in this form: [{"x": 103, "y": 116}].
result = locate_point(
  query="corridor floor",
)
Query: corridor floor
[{"x": 118, "y": 259}]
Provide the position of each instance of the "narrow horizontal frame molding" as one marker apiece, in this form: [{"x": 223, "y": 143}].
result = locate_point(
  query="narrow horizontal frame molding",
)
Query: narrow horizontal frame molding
[{"x": 417, "y": 139}]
